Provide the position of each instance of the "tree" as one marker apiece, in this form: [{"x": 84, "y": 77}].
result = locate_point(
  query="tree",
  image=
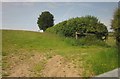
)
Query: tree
[
  {"x": 45, "y": 20},
  {"x": 116, "y": 25},
  {"x": 101, "y": 31}
]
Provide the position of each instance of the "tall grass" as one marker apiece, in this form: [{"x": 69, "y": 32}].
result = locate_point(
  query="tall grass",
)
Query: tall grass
[
  {"x": 86, "y": 41},
  {"x": 103, "y": 61}
]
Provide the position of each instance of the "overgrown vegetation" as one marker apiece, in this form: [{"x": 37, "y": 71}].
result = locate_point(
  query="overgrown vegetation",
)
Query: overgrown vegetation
[
  {"x": 83, "y": 25},
  {"x": 85, "y": 41},
  {"x": 116, "y": 27}
]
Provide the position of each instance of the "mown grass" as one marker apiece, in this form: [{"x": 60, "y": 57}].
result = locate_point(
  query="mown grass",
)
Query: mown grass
[{"x": 95, "y": 59}]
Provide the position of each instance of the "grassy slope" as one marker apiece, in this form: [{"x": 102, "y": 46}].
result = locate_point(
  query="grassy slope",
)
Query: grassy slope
[{"x": 95, "y": 59}]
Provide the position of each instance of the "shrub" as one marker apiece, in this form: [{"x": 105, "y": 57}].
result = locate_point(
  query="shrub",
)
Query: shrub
[{"x": 87, "y": 24}]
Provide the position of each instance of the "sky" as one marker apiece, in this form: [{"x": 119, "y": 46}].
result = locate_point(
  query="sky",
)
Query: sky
[{"x": 24, "y": 15}]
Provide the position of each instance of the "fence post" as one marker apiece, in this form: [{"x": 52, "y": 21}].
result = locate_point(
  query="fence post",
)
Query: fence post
[{"x": 76, "y": 36}]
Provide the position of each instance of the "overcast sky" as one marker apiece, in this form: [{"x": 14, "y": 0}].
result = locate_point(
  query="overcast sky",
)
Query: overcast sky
[{"x": 23, "y": 15}]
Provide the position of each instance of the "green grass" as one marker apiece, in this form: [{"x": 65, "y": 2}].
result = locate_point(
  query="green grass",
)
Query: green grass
[
  {"x": 102, "y": 61},
  {"x": 37, "y": 68},
  {"x": 96, "y": 58}
]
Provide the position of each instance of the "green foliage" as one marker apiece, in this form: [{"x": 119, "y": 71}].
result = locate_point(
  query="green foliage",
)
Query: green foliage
[
  {"x": 116, "y": 25},
  {"x": 45, "y": 20},
  {"x": 87, "y": 24},
  {"x": 103, "y": 59},
  {"x": 86, "y": 41}
]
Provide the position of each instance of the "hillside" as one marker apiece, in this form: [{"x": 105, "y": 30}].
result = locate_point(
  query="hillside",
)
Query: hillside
[{"x": 36, "y": 54}]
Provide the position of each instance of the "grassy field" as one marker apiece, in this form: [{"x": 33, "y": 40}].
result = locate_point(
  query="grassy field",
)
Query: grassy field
[{"x": 19, "y": 46}]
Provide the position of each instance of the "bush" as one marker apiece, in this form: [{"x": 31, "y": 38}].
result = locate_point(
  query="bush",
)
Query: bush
[{"x": 87, "y": 24}]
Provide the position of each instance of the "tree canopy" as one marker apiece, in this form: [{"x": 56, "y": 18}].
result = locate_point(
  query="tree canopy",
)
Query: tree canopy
[
  {"x": 45, "y": 20},
  {"x": 116, "y": 24},
  {"x": 87, "y": 24}
]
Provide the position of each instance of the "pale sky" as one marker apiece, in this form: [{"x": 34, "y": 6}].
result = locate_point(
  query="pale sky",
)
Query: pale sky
[{"x": 23, "y": 15}]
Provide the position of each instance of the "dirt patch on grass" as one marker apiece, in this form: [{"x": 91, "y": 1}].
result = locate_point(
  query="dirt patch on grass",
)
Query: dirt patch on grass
[
  {"x": 58, "y": 67},
  {"x": 37, "y": 65},
  {"x": 24, "y": 68},
  {"x": 21, "y": 71}
]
